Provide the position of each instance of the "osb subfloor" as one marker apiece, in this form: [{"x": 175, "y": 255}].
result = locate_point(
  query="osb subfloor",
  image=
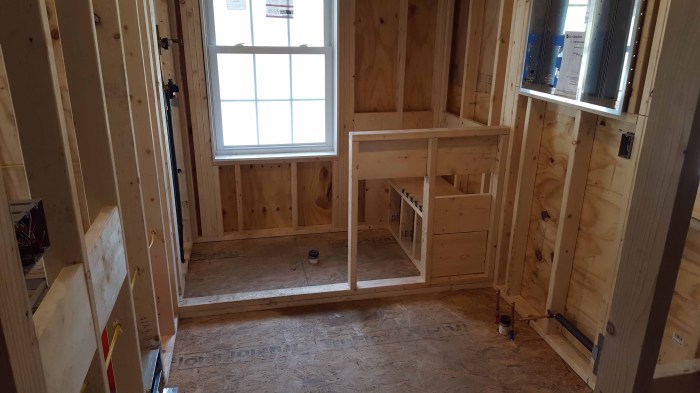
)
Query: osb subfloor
[
  {"x": 425, "y": 343},
  {"x": 282, "y": 262}
]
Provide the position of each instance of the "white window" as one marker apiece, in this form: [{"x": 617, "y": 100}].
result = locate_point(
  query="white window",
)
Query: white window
[{"x": 271, "y": 76}]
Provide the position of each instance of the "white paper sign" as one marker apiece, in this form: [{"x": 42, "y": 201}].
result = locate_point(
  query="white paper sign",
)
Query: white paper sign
[
  {"x": 570, "y": 71},
  {"x": 279, "y": 9},
  {"x": 235, "y": 4}
]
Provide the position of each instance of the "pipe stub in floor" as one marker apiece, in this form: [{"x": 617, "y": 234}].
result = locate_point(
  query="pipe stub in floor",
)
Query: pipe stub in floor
[{"x": 314, "y": 256}]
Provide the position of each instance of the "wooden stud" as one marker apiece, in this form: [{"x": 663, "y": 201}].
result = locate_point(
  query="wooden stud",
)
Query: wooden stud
[
  {"x": 534, "y": 121},
  {"x": 500, "y": 66},
  {"x": 68, "y": 112},
  {"x": 509, "y": 191},
  {"x": 16, "y": 323},
  {"x": 401, "y": 56},
  {"x": 30, "y": 64},
  {"x": 496, "y": 191},
  {"x": 126, "y": 166},
  {"x": 162, "y": 15},
  {"x": 429, "y": 182},
  {"x": 471, "y": 62},
  {"x": 517, "y": 42},
  {"x": 162, "y": 154},
  {"x": 443, "y": 42},
  {"x": 11, "y": 159},
  {"x": 353, "y": 207},
  {"x": 642, "y": 56},
  {"x": 660, "y": 210},
  {"x": 346, "y": 99},
  {"x": 126, "y": 359},
  {"x": 239, "y": 199},
  {"x": 207, "y": 178},
  {"x": 145, "y": 117},
  {"x": 295, "y": 196},
  {"x": 571, "y": 206},
  {"x": 76, "y": 21},
  {"x": 661, "y": 24}
]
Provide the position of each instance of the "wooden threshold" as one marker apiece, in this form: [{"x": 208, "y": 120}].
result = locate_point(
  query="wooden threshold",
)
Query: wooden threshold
[{"x": 319, "y": 294}]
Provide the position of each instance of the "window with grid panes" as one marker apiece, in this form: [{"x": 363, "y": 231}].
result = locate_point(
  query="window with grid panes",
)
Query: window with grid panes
[{"x": 271, "y": 75}]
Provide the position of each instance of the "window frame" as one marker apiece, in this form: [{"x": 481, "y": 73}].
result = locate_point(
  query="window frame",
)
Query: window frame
[{"x": 329, "y": 50}]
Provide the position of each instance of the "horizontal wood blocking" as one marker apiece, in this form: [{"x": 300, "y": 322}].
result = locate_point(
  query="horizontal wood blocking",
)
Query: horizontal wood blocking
[
  {"x": 107, "y": 261},
  {"x": 392, "y": 120},
  {"x": 363, "y": 136},
  {"x": 65, "y": 331}
]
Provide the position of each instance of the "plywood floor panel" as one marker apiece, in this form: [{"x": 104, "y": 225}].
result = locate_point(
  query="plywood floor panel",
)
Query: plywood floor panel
[
  {"x": 281, "y": 262},
  {"x": 425, "y": 343}
]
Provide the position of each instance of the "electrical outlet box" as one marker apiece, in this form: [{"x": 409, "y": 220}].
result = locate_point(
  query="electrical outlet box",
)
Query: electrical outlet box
[{"x": 31, "y": 231}]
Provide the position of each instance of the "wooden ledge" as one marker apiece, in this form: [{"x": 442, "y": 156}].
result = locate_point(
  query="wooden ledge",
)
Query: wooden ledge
[{"x": 388, "y": 135}]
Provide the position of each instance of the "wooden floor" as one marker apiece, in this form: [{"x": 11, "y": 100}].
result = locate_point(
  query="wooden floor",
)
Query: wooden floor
[
  {"x": 443, "y": 342},
  {"x": 281, "y": 262}
]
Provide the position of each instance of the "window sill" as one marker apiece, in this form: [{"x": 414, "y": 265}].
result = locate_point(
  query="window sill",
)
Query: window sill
[{"x": 224, "y": 159}]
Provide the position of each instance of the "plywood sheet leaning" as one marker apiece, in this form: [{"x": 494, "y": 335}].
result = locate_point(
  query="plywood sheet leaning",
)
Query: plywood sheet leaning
[
  {"x": 599, "y": 229},
  {"x": 229, "y": 209},
  {"x": 315, "y": 193},
  {"x": 557, "y": 135},
  {"x": 422, "y": 21},
  {"x": 376, "y": 55},
  {"x": 267, "y": 196}
]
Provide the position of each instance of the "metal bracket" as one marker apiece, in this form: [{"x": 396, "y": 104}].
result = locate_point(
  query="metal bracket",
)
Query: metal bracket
[
  {"x": 170, "y": 89},
  {"x": 596, "y": 353}
]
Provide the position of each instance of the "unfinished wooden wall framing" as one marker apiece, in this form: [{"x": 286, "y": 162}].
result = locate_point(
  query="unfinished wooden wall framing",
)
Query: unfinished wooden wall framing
[
  {"x": 570, "y": 204},
  {"x": 391, "y": 74},
  {"x": 101, "y": 133}
]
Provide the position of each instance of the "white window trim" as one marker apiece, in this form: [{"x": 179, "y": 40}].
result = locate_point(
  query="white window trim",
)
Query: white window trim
[{"x": 222, "y": 153}]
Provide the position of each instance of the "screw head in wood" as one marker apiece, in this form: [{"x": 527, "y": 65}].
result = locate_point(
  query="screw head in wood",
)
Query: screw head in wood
[{"x": 610, "y": 328}]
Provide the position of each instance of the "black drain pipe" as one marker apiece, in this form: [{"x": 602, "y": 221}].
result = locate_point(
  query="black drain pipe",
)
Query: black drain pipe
[
  {"x": 585, "y": 341},
  {"x": 169, "y": 91}
]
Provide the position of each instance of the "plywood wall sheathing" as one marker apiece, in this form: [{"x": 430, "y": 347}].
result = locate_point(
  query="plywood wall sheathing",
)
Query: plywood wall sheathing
[
  {"x": 267, "y": 196},
  {"x": 229, "y": 204},
  {"x": 376, "y": 55},
  {"x": 602, "y": 216},
  {"x": 420, "y": 52},
  {"x": 557, "y": 134},
  {"x": 315, "y": 193}
]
